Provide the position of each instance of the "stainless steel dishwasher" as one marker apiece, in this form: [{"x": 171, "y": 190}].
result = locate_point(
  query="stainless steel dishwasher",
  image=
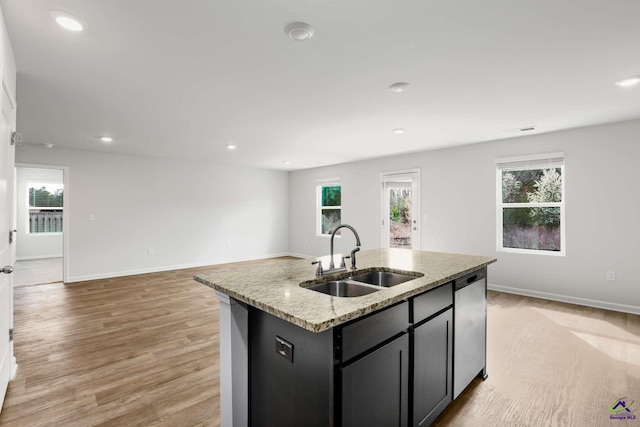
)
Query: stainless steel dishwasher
[{"x": 470, "y": 329}]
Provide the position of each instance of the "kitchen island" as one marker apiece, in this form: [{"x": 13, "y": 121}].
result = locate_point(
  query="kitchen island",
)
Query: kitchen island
[{"x": 294, "y": 356}]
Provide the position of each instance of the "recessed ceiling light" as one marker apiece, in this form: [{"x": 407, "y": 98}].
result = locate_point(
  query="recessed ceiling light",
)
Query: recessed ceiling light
[
  {"x": 398, "y": 131},
  {"x": 299, "y": 31},
  {"x": 48, "y": 145},
  {"x": 399, "y": 87},
  {"x": 106, "y": 139},
  {"x": 629, "y": 81},
  {"x": 231, "y": 147},
  {"x": 286, "y": 162},
  {"x": 68, "y": 21}
]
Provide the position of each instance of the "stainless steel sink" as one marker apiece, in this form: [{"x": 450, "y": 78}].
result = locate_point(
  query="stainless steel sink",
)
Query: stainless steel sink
[
  {"x": 384, "y": 278},
  {"x": 343, "y": 288},
  {"x": 361, "y": 284}
]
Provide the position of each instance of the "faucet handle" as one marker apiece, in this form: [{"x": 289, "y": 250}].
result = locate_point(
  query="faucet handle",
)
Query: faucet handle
[
  {"x": 342, "y": 264},
  {"x": 319, "y": 271},
  {"x": 353, "y": 257}
]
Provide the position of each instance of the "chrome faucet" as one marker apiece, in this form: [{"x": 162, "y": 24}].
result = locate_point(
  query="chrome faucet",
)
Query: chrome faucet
[
  {"x": 353, "y": 252},
  {"x": 332, "y": 267},
  {"x": 343, "y": 267}
]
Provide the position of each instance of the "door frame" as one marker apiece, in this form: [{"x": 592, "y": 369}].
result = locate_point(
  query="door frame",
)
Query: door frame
[
  {"x": 10, "y": 363},
  {"x": 416, "y": 207},
  {"x": 66, "y": 207}
]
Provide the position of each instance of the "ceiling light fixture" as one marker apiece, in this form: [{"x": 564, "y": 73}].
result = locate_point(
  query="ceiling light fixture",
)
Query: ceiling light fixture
[
  {"x": 299, "y": 31},
  {"x": 629, "y": 81},
  {"x": 231, "y": 147},
  {"x": 286, "y": 162},
  {"x": 399, "y": 87},
  {"x": 106, "y": 139},
  {"x": 68, "y": 21},
  {"x": 48, "y": 145},
  {"x": 399, "y": 131}
]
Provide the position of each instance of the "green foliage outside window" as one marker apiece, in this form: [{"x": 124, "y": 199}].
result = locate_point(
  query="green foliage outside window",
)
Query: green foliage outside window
[
  {"x": 42, "y": 198},
  {"x": 330, "y": 209},
  {"x": 332, "y": 196},
  {"x": 532, "y": 227}
]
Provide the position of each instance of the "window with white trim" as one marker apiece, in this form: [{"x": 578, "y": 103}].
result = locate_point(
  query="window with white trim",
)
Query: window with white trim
[
  {"x": 329, "y": 205},
  {"x": 530, "y": 204},
  {"x": 45, "y": 207}
]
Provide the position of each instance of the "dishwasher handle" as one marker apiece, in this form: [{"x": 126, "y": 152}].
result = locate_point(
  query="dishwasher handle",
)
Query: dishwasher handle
[{"x": 470, "y": 279}]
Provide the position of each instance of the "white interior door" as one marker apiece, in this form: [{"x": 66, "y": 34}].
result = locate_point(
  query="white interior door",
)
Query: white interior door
[
  {"x": 7, "y": 160},
  {"x": 401, "y": 209}
]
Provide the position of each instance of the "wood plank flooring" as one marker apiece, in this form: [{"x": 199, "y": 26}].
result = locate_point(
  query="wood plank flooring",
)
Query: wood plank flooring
[
  {"x": 131, "y": 351},
  {"x": 143, "y": 351}
]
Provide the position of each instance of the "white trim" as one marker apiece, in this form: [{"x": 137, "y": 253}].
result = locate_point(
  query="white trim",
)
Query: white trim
[
  {"x": 110, "y": 275},
  {"x": 328, "y": 180},
  {"x": 566, "y": 299},
  {"x": 67, "y": 212},
  {"x": 56, "y": 233},
  {"x": 400, "y": 171},
  {"x": 302, "y": 256},
  {"x": 530, "y": 158},
  {"x": 416, "y": 205},
  {"x": 14, "y": 365},
  {"x": 556, "y": 160},
  {"x": 532, "y": 251},
  {"x": 29, "y": 258}
]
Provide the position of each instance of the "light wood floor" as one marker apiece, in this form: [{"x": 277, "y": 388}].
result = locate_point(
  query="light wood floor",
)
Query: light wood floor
[{"x": 143, "y": 351}]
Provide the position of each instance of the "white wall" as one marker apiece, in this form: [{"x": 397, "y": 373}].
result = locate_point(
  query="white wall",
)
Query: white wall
[
  {"x": 36, "y": 245},
  {"x": 190, "y": 214},
  {"x": 459, "y": 196},
  {"x": 8, "y": 62}
]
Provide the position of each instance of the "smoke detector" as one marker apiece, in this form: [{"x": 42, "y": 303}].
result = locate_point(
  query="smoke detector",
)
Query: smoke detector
[
  {"x": 299, "y": 31},
  {"x": 399, "y": 87}
]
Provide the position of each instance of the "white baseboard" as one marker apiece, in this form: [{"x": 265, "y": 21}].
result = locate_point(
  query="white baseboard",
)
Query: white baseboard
[
  {"x": 568, "y": 299},
  {"x": 109, "y": 275},
  {"x": 30, "y": 258},
  {"x": 14, "y": 368},
  {"x": 303, "y": 256}
]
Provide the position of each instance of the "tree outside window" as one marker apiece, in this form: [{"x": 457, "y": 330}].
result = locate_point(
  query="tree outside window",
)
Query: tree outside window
[
  {"x": 531, "y": 206},
  {"x": 46, "y": 203},
  {"x": 329, "y": 207}
]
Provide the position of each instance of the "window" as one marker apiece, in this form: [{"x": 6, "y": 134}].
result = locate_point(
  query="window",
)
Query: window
[
  {"x": 45, "y": 207},
  {"x": 530, "y": 199},
  {"x": 329, "y": 196}
]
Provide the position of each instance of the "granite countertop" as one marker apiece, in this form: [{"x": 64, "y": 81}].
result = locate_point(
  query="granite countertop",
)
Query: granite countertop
[{"x": 276, "y": 288}]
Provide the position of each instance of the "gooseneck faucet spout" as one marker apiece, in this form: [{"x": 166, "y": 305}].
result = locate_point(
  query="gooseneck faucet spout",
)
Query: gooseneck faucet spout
[{"x": 353, "y": 252}]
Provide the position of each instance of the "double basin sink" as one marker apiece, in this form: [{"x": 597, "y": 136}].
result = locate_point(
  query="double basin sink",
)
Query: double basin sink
[{"x": 362, "y": 283}]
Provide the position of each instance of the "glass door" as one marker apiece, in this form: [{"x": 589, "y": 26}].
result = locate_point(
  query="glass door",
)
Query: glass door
[{"x": 401, "y": 210}]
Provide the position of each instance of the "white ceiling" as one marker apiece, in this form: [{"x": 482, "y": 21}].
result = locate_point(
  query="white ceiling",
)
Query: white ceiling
[{"x": 181, "y": 79}]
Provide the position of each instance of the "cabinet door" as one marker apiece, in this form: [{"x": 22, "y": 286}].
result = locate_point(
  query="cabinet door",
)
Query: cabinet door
[
  {"x": 432, "y": 387},
  {"x": 375, "y": 388}
]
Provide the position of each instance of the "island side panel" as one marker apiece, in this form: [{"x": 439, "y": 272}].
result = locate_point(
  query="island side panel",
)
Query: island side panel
[
  {"x": 289, "y": 391},
  {"x": 234, "y": 362}
]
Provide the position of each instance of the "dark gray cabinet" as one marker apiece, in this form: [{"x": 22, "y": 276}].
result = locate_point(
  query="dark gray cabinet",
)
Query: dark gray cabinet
[
  {"x": 393, "y": 367},
  {"x": 375, "y": 388},
  {"x": 283, "y": 392},
  {"x": 432, "y": 361},
  {"x": 432, "y": 354}
]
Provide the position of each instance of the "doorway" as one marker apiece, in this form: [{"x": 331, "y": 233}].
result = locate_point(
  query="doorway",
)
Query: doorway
[
  {"x": 39, "y": 214},
  {"x": 401, "y": 209}
]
